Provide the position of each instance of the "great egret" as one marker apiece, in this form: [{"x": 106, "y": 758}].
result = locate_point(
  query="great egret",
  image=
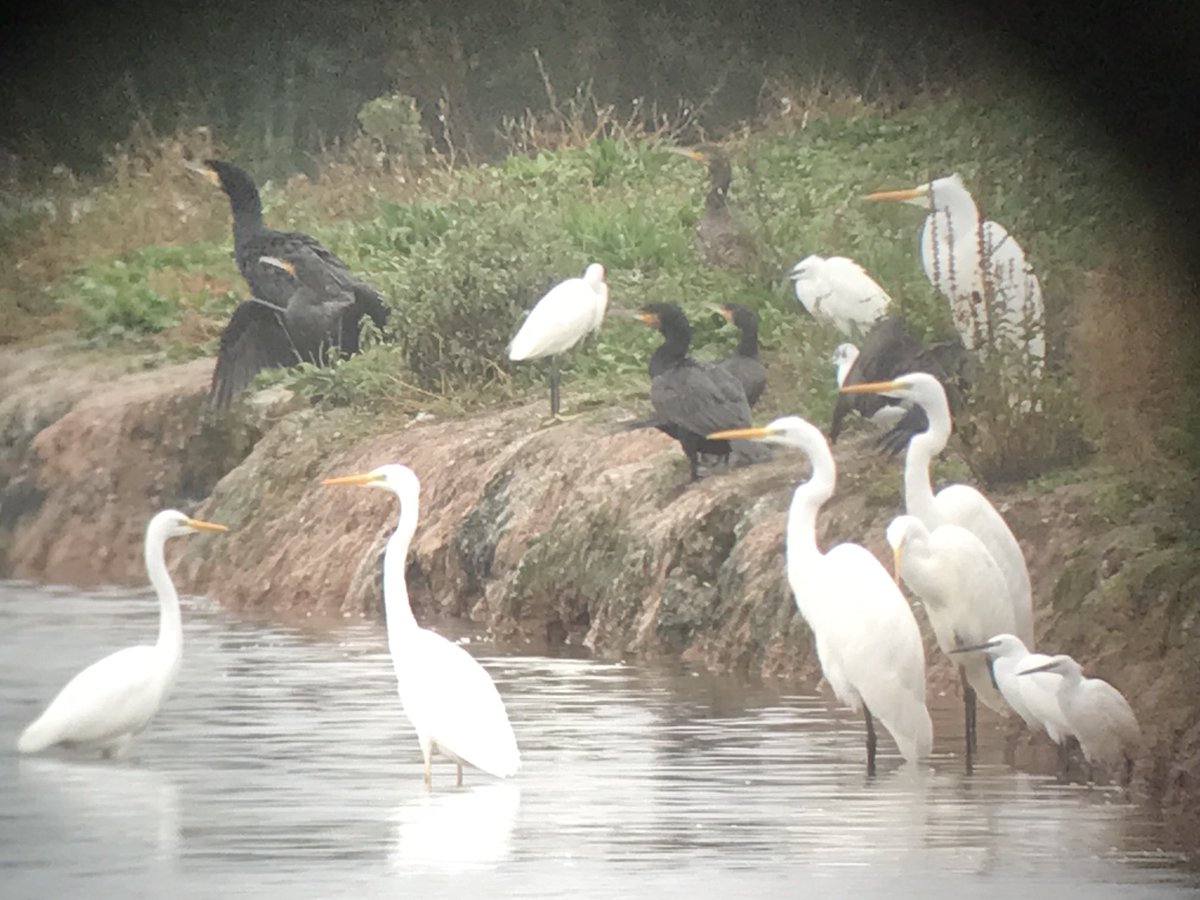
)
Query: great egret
[
  {"x": 839, "y": 291},
  {"x": 1096, "y": 712},
  {"x": 253, "y": 240},
  {"x": 744, "y": 362},
  {"x": 867, "y": 640},
  {"x": 1035, "y": 697},
  {"x": 449, "y": 698},
  {"x": 888, "y": 350},
  {"x": 690, "y": 398},
  {"x": 979, "y": 267},
  {"x": 260, "y": 335},
  {"x": 561, "y": 319},
  {"x": 964, "y": 595},
  {"x": 721, "y": 239},
  {"x": 111, "y": 701},
  {"x": 956, "y": 504}
]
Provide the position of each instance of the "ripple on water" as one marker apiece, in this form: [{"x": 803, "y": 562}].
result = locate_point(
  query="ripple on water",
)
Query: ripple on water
[{"x": 283, "y": 762}]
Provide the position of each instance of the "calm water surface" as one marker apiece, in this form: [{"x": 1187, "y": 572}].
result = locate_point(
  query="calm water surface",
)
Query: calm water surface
[{"x": 282, "y": 766}]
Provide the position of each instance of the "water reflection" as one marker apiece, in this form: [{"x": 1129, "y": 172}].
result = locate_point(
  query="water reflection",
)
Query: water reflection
[
  {"x": 456, "y": 831},
  {"x": 283, "y": 765}
]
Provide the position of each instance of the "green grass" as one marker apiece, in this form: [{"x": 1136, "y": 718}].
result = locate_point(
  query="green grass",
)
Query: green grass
[{"x": 467, "y": 251}]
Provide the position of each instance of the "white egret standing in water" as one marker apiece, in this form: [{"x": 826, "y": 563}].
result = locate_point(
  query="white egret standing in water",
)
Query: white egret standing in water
[
  {"x": 1034, "y": 697},
  {"x": 978, "y": 266},
  {"x": 565, "y": 316},
  {"x": 956, "y": 504},
  {"x": 964, "y": 595},
  {"x": 867, "y": 640},
  {"x": 449, "y": 698},
  {"x": 107, "y": 704},
  {"x": 1098, "y": 714}
]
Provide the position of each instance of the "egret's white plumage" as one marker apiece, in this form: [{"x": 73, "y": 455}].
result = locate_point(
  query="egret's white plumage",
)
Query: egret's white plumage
[
  {"x": 1097, "y": 713},
  {"x": 969, "y": 260},
  {"x": 570, "y": 311},
  {"x": 449, "y": 698},
  {"x": 837, "y": 290},
  {"x": 107, "y": 704},
  {"x": 956, "y": 504},
  {"x": 962, "y": 589},
  {"x": 867, "y": 640},
  {"x": 1034, "y": 697},
  {"x": 844, "y": 356}
]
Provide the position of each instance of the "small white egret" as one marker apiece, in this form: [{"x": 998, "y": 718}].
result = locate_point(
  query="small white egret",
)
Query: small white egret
[
  {"x": 570, "y": 311},
  {"x": 978, "y": 266},
  {"x": 1097, "y": 713},
  {"x": 449, "y": 698},
  {"x": 955, "y": 504},
  {"x": 1035, "y": 697},
  {"x": 965, "y": 596},
  {"x": 107, "y": 704},
  {"x": 837, "y": 290},
  {"x": 867, "y": 639}
]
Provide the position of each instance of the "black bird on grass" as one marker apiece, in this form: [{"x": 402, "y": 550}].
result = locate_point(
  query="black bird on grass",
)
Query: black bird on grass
[
  {"x": 253, "y": 240},
  {"x": 888, "y": 351},
  {"x": 721, "y": 239},
  {"x": 263, "y": 335},
  {"x": 744, "y": 362},
  {"x": 690, "y": 397}
]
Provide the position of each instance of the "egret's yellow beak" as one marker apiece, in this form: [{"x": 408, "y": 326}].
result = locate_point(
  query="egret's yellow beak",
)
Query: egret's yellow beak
[
  {"x": 873, "y": 387},
  {"x": 897, "y": 552},
  {"x": 278, "y": 263},
  {"x": 201, "y": 525},
  {"x": 753, "y": 434},
  {"x": 365, "y": 478},
  {"x": 906, "y": 194}
]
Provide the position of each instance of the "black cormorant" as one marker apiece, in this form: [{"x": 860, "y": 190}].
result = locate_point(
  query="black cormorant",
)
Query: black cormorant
[
  {"x": 691, "y": 399},
  {"x": 263, "y": 335},
  {"x": 253, "y": 240},
  {"x": 721, "y": 239},
  {"x": 890, "y": 350},
  {"x": 744, "y": 362}
]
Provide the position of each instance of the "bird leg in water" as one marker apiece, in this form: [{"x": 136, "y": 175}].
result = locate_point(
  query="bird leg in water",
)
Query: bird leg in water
[
  {"x": 969, "y": 718},
  {"x": 458, "y": 779},
  {"x": 428, "y": 772},
  {"x": 871, "y": 740}
]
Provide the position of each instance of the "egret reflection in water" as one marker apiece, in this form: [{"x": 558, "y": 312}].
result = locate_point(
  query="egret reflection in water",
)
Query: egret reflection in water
[{"x": 283, "y": 765}]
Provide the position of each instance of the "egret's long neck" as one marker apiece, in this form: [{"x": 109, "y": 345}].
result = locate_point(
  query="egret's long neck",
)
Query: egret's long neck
[
  {"x": 918, "y": 489},
  {"x": 170, "y": 626},
  {"x": 802, "y": 549},
  {"x": 400, "y": 619}
]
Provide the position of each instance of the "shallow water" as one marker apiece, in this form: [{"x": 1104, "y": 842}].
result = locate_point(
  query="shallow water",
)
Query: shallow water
[{"x": 282, "y": 765}]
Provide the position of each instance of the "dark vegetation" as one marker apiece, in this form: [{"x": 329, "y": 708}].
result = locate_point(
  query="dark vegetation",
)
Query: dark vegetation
[{"x": 463, "y": 158}]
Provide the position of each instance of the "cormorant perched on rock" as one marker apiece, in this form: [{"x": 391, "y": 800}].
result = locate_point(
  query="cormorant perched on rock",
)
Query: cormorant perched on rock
[
  {"x": 262, "y": 335},
  {"x": 888, "y": 351},
  {"x": 721, "y": 240},
  {"x": 690, "y": 398},
  {"x": 252, "y": 240},
  {"x": 744, "y": 362}
]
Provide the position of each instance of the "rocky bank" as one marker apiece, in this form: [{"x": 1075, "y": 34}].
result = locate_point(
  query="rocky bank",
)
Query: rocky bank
[{"x": 581, "y": 533}]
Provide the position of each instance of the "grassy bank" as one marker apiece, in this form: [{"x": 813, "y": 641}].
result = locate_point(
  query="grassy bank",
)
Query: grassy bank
[{"x": 141, "y": 262}]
